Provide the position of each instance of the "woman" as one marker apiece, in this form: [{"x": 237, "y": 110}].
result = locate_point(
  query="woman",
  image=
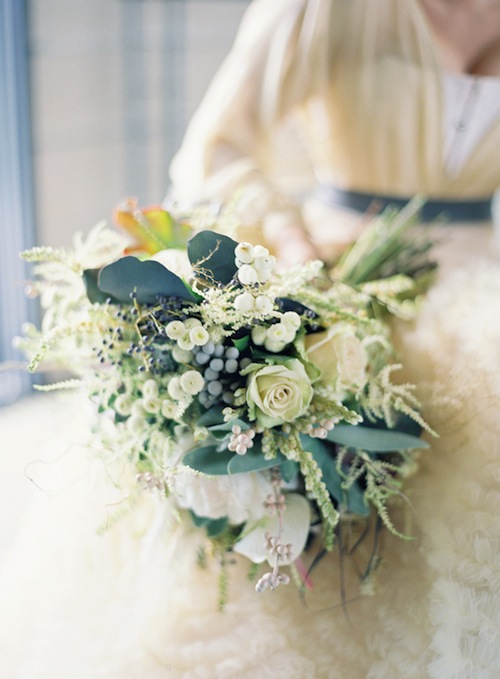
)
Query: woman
[
  {"x": 390, "y": 104},
  {"x": 391, "y": 99}
]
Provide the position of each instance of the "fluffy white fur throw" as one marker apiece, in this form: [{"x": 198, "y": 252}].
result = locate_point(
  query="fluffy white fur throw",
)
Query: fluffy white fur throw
[{"x": 130, "y": 602}]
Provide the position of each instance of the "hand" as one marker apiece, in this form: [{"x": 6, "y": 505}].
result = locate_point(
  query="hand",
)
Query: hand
[{"x": 294, "y": 247}]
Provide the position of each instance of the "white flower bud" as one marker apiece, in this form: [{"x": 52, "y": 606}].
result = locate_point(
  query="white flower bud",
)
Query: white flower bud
[
  {"x": 175, "y": 330},
  {"x": 274, "y": 346},
  {"x": 291, "y": 319},
  {"x": 263, "y": 304},
  {"x": 247, "y": 275},
  {"x": 259, "y": 335},
  {"x": 244, "y": 302},
  {"x": 244, "y": 253}
]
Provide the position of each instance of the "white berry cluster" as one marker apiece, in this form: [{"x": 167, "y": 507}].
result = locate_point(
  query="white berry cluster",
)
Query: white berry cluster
[
  {"x": 255, "y": 264},
  {"x": 275, "y": 337},
  {"x": 320, "y": 429},
  {"x": 241, "y": 441}
]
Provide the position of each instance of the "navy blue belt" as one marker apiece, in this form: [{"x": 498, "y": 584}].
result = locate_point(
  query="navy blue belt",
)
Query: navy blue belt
[{"x": 431, "y": 210}]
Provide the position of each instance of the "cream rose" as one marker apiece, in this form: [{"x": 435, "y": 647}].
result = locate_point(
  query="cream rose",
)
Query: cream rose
[
  {"x": 340, "y": 357},
  {"x": 278, "y": 393}
]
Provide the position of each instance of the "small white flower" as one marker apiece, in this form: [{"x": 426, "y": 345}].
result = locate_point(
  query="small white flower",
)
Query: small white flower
[
  {"x": 168, "y": 409},
  {"x": 190, "y": 323},
  {"x": 185, "y": 343},
  {"x": 181, "y": 355},
  {"x": 175, "y": 390},
  {"x": 150, "y": 388},
  {"x": 192, "y": 382},
  {"x": 175, "y": 330},
  {"x": 244, "y": 302},
  {"x": 280, "y": 333},
  {"x": 244, "y": 253},
  {"x": 199, "y": 336},
  {"x": 123, "y": 404},
  {"x": 248, "y": 275},
  {"x": 152, "y": 405},
  {"x": 136, "y": 424},
  {"x": 138, "y": 409}
]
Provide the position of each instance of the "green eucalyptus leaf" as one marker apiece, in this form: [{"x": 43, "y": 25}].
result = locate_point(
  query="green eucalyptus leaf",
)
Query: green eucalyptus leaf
[
  {"x": 253, "y": 461},
  {"x": 147, "y": 279},
  {"x": 374, "y": 440},
  {"x": 212, "y": 257},
  {"x": 90, "y": 279},
  {"x": 289, "y": 470},
  {"x": 207, "y": 460},
  {"x": 228, "y": 426},
  {"x": 351, "y": 498},
  {"x": 211, "y": 417}
]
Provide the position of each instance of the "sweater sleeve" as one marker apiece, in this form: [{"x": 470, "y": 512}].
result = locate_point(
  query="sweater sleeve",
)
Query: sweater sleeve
[{"x": 227, "y": 145}]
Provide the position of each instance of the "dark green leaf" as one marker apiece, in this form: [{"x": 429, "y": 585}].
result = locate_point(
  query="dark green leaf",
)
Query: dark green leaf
[
  {"x": 374, "y": 440},
  {"x": 207, "y": 460},
  {"x": 213, "y": 527},
  {"x": 286, "y": 304},
  {"x": 90, "y": 278},
  {"x": 147, "y": 279},
  {"x": 212, "y": 256},
  {"x": 211, "y": 416}
]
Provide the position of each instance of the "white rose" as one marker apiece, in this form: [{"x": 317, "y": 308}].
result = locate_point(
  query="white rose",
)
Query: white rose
[
  {"x": 340, "y": 357},
  {"x": 240, "y": 497},
  {"x": 279, "y": 393}
]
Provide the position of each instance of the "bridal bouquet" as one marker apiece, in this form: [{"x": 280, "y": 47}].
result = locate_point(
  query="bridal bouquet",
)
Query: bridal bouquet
[{"x": 260, "y": 401}]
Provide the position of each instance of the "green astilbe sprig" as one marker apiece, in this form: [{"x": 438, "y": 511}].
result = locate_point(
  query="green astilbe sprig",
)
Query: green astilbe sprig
[
  {"x": 380, "y": 478},
  {"x": 383, "y": 399}
]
